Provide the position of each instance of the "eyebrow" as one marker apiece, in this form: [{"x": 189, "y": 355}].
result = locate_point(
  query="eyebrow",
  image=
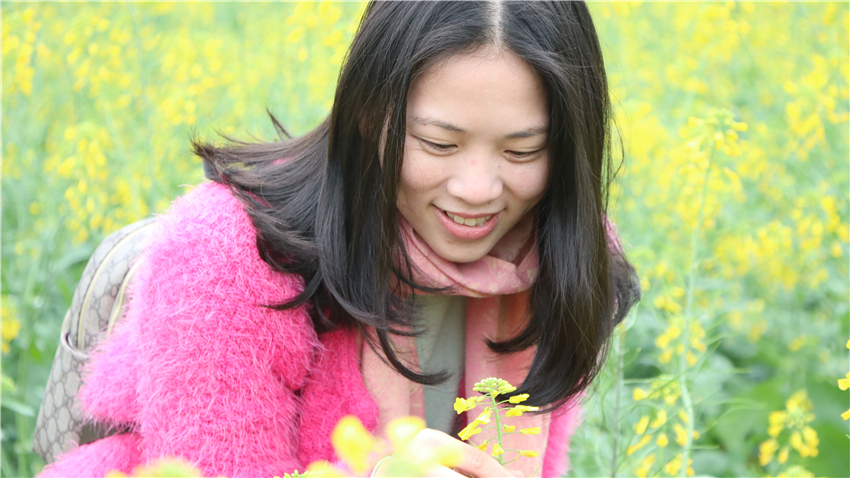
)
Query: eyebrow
[{"x": 442, "y": 124}]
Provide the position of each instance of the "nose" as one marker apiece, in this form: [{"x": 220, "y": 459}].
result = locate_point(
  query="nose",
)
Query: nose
[{"x": 476, "y": 180}]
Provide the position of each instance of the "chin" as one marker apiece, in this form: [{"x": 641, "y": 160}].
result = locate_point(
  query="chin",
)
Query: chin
[{"x": 454, "y": 254}]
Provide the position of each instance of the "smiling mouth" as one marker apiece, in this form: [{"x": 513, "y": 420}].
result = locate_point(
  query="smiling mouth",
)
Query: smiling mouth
[{"x": 468, "y": 221}]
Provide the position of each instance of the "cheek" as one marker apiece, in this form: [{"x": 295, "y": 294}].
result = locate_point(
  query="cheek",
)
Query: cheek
[
  {"x": 419, "y": 174},
  {"x": 414, "y": 184},
  {"x": 528, "y": 181}
]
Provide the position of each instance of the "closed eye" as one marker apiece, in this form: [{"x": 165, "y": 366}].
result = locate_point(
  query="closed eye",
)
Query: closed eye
[
  {"x": 525, "y": 154},
  {"x": 436, "y": 147}
]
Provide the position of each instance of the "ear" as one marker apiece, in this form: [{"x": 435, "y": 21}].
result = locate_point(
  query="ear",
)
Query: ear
[{"x": 382, "y": 141}]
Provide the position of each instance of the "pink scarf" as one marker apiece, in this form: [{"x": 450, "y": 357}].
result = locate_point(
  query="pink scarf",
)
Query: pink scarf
[{"x": 497, "y": 290}]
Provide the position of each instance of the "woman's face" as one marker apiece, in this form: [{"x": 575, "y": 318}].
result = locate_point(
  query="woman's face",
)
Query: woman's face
[{"x": 475, "y": 158}]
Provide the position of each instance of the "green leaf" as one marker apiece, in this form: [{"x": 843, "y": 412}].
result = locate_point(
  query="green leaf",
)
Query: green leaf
[
  {"x": 74, "y": 256},
  {"x": 18, "y": 407}
]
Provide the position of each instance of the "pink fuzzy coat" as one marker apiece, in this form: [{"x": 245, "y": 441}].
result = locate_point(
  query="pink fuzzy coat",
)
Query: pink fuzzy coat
[{"x": 202, "y": 370}]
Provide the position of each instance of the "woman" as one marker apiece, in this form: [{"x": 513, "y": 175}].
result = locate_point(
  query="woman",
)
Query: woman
[{"x": 446, "y": 223}]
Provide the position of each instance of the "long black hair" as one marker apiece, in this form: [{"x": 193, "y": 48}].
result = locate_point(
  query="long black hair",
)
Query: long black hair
[{"x": 328, "y": 210}]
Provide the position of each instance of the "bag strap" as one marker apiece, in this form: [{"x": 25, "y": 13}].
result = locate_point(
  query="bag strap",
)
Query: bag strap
[{"x": 99, "y": 301}]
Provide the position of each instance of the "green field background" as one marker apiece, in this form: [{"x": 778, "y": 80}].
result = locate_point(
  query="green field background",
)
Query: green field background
[{"x": 732, "y": 202}]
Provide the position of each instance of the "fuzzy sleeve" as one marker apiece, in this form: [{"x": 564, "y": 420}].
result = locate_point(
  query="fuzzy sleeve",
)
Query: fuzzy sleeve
[
  {"x": 216, "y": 371},
  {"x": 113, "y": 453}
]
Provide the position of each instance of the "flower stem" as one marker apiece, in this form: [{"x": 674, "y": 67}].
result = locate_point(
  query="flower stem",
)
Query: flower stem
[
  {"x": 618, "y": 380},
  {"x": 498, "y": 427}
]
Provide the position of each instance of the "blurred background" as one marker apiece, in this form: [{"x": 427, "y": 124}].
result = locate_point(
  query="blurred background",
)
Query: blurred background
[{"x": 732, "y": 202}]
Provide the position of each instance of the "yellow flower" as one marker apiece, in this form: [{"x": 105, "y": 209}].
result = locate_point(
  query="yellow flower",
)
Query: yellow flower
[
  {"x": 766, "y": 451},
  {"x": 810, "y": 435},
  {"x": 497, "y": 450},
  {"x": 645, "y": 465},
  {"x": 846, "y": 415},
  {"x": 805, "y": 443},
  {"x": 662, "y": 440},
  {"x": 681, "y": 434},
  {"x": 660, "y": 419},
  {"x": 528, "y": 453},
  {"x": 673, "y": 466},
  {"x": 739, "y": 126},
  {"x": 637, "y": 446},
  {"x": 10, "y": 327},
  {"x": 508, "y": 428},
  {"x": 484, "y": 417},
  {"x": 783, "y": 455},
  {"x": 518, "y": 410},
  {"x": 493, "y": 386},
  {"x": 324, "y": 469},
  {"x": 640, "y": 426},
  {"x": 778, "y": 418},
  {"x": 777, "y": 423},
  {"x": 506, "y": 388},
  {"x": 353, "y": 443},
  {"x": 798, "y": 401},
  {"x": 811, "y": 438},
  {"x": 463, "y": 405},
  {"x": 844, "y": 383},
  {"x": 796, "y": 440},
  {"x": 518, "y": 398},
  {"x": 530, "y": 431},
  {"x": 639, "y": 394},
  {"x": 402, "y": 430},
  {"x": 483, "y": 446},
  {"x": 471, "y": 429}
]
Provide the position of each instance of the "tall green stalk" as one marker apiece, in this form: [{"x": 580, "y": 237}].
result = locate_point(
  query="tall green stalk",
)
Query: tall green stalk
[
  {"x": 686, "y": 335},
  {"x": 618, "y": 386}
]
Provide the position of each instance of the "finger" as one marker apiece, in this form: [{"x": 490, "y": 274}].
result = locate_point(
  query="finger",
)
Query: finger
[
  {"x": 473, "y": 462},
  {"x": 443, "y": 472},
  {"x": 437, "y": 471},
  {"x": 479, "y": 464}
]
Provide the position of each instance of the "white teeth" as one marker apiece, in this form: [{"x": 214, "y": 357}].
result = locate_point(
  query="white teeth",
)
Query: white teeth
[{"x": 468, "y": 221}]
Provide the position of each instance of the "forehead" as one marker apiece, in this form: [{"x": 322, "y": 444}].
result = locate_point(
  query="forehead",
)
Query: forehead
[{"x": 487, "y": 91}]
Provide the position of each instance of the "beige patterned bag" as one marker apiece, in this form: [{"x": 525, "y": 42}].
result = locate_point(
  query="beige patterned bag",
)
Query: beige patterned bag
[{"x": 99, "y": 301}]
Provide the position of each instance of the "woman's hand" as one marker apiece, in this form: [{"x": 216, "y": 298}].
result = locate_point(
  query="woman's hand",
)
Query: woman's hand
[{"x": 473, "y": 462}]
